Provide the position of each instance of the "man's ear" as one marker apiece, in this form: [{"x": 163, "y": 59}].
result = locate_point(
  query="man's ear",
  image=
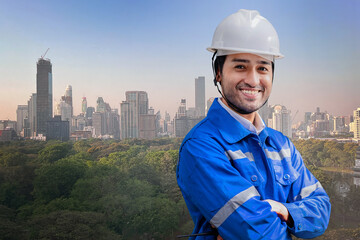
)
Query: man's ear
[{"x": 218, "y": 77}]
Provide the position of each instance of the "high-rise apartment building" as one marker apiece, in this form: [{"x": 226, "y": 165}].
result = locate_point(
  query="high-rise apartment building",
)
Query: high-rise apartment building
[
  {"x": 89, "y": 112},
  {"x": 64, "y": 110},
  {"x": 98, "y": 122},
  {"x": 67, "y": 98},
  {"x": 22, "y": 113},
  {"x": 184, "y": 120},
  {"x": 266, "y": 113},
  {"x": 200, "y": 96},
  {"x": 136, "y": 104},
  {"x": 182, "y": 109},
  {"x": 281, "y": 120},
  {"x": 44, "y": 92},
  {"x": 100, "y": 105},
  {"x": 32, "y": 115},
  {"x": 56, "y": 129},
  {"x": 84, "y": 105},
  {"x": 357, "y": 124}
]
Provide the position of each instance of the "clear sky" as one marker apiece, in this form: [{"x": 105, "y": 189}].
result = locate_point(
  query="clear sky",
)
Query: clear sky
[{"x": 106, "y": 47}]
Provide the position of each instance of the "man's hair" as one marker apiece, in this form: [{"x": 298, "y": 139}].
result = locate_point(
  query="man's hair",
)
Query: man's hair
[{"x": 219, "y": 64}]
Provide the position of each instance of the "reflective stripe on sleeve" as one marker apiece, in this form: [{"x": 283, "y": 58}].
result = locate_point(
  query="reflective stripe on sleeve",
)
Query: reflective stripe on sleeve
[
  {"x": 239, "y": 155},
  {"x": 278, "y": 155},
  {"x": 232, "y": 205},
  {"x": 306, "y": 191}
]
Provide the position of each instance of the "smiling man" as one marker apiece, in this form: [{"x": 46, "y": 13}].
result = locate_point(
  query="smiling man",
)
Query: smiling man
[{"x": 238, "y": 176}]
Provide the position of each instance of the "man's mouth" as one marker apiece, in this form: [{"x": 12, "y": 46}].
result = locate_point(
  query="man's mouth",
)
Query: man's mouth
[{"x": 250, "y": 92}]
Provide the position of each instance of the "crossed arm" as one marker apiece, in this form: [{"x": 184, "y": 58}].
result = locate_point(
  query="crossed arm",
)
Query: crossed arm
[{"x": 234, "y": 212}]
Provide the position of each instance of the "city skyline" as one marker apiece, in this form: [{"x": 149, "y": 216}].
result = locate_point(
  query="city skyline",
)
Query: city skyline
[{"x": 108, "y": 49}]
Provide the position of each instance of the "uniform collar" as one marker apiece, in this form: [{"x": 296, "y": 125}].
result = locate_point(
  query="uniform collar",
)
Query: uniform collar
[
  {"x": 230, "y": 129},
  {"x": 255, "y": 128}
]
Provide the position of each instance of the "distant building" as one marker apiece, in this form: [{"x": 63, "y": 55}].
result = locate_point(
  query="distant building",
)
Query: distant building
[
  {"x": 98, "y": 122},
  {"x": 105, "y": 120},
  {"x": 147, "y": 125},
  {"x": 184, "y": 120},
  {"x": 200, "y": 96},
  {"x": 44, "y": 92},
  {"x": 136, "y": 104},
  {"x": 317, "y": 124},
  {"x": 80, "y": 135},
  {"x": 356, "y": 125},
  {"x": 56, "y": 129},
  {"x": 114, "y": 124},
  {"x": 78, "y": 123},
  {"x": 89, "y": 112},
  {"x": 32, "y": 116},
  {"x": 84, "y": 105},
  {"x": 7, "y": 125},
  {"x": 22, "y": 113},
  {"x": 307, "y": 118},
  {"x": 281, "y": 120},
  {"x": 64, "y": 110},
  {"x": 8, "y": 135},
  {"x": 181, "y": 109},
  {"x": 338, "y": 125},
  {"x": 266, "y": 113},
  {"x": 67, "y": 98},
  {"x": 183, "y": 125}
]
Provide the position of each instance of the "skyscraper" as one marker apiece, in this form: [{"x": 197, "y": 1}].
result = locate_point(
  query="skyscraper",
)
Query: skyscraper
[
  {"x": 136, "y": 103},
  {"x": 32, "y": 115},
  {"x": 44, "y": 91},
  {"x": 281, "y": 120},
  {"x": 64, "y": 110},
  {"x": 83, "y": 105},
  {"x": 182, "y": 109},
  {"x": 21, "y": 113},
  {"x": 200, "y": 96},
  {"x": 357, "y": 123},
  {"x": 67, "y": 98}
]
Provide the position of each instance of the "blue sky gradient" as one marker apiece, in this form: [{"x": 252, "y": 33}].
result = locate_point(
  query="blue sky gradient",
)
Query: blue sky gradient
[{"x": 104, "y": 48}]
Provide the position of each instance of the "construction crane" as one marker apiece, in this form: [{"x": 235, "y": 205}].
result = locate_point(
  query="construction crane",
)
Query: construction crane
[
  {"x": 294, "y": 116},
  {"x": 42, "y": 57}
]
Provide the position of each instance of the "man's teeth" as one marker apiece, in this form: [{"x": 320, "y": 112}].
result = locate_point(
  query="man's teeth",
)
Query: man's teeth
[{"x": 253, "y": 92}]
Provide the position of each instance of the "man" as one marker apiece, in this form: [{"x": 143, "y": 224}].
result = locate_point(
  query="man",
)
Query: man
[{"x": 237, "y": 175}]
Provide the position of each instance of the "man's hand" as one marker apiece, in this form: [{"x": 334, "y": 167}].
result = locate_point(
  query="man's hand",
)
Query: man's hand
[
  {"x": 218, "y": 236},
  {"x": 280, "y": 209}
]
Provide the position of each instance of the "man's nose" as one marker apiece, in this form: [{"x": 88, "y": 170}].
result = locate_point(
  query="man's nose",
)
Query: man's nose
[{"x": 252, "y": 78}]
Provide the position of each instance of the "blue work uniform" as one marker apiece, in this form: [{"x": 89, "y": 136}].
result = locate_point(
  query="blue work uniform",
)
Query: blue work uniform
[{"x": 225, "y": 171}]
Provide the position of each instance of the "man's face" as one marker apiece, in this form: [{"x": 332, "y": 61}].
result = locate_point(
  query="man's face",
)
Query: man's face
[{"x": 246, "y": 81}]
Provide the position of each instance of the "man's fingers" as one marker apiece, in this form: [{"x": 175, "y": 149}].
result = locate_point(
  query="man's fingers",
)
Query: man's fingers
[{"x": 218, "y": 236}]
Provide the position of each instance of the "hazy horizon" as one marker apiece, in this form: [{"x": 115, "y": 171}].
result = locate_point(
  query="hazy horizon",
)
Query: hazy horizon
[{"x": 103, "y": 49}]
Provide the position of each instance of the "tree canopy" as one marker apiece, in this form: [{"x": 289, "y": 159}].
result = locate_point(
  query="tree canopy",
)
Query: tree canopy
[{"x": 108, "y": 189}]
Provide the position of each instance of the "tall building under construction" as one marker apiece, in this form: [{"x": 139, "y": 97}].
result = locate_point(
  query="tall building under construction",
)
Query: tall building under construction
[{"x": 44, "y": 95}]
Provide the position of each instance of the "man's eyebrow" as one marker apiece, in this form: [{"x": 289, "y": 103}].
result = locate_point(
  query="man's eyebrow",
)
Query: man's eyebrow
[
  {"x": 240, "y": 60},
  {"x": 263, "y": 62},
  {"x": 247, "y": 61}
]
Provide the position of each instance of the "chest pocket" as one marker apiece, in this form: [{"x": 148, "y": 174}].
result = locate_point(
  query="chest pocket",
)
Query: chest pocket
[
  {"x": 285, "y": 173},
  {"x": 245, "y": 165}
]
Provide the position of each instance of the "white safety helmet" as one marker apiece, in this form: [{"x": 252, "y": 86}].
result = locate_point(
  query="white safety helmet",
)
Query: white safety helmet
[{"x": 246, "y": 31}]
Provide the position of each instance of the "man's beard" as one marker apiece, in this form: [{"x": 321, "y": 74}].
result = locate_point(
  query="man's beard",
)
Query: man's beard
[{"x": 241, "y": 107}]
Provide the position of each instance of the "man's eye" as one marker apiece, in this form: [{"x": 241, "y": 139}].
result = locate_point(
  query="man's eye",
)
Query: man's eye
[
  {"x": 263, "y": 69},
  {"x": 240, "y": 66}
]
